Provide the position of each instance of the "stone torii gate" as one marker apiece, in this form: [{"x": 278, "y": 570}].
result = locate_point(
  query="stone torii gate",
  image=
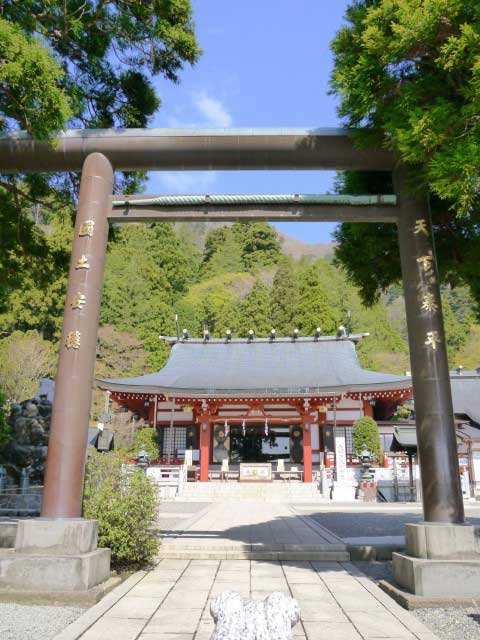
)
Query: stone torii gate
[{"x": 99, "y": 153}]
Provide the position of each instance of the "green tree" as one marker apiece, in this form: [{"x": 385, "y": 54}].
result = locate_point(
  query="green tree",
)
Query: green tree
[
  {"x": 407, "y": 70},
  {"x": 254, "y": 312},
  {"x": 88, "y": 64},
  {"x": 314, "y": 308},
  {"x": 222, "y": 253},
  {"x": 213, "y": 303},
  {"x": 455, "y": 333},
  {"x": 33, "y": 273},
  {"x": 31, "y": 91},
  {"x": 365, "y": 432},
  {"x": 110, "y": 50},
  {"x": 259, "y": 243},
  {"x": 147, "y": 439},
  {"x": 24, "y": 359},
  {"x": 146, "y": 271},
  {"x": 284, "y": 298},
  {"x": 369, "y": 251},
  {"x": 383, "y": 339}
]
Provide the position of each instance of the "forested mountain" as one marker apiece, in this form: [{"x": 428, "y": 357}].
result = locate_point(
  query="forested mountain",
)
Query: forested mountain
[{"x": 238, "y": 278}]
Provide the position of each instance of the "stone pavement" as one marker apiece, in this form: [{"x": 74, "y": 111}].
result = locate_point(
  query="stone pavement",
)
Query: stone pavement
[
  {"x": 172, "y": 602},
  {"x": 251, "y": 530}
]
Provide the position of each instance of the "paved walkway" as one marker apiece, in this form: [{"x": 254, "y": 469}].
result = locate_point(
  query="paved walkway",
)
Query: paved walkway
[
  {"x": 172, "y": 602},
  {"x": 249, "y": 523}
]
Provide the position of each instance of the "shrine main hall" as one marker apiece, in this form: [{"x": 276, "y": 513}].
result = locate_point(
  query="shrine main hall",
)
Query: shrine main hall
[{"x": 254, "y": 400}]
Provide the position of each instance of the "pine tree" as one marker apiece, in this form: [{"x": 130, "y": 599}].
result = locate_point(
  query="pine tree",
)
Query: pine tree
[
  {"x": 222, "y": 253},
  {"x": 284, "y": 298},
  {"x": 254, "y": 312},
  {"x": 314, "y": 309},
  {"x": 259, "y": 243}
]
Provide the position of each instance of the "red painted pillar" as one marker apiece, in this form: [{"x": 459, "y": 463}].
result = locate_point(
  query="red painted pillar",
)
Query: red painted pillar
[
  {"x": 367, "y": 409},
  {"x": 205, "y": 434},
  {"x": 307, "y": 449}
]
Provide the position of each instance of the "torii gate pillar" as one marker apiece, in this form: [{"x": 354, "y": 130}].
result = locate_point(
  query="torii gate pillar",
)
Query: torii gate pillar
[
  {"x": 437, "y": 447},
  {"x": 441, "y": 557}
]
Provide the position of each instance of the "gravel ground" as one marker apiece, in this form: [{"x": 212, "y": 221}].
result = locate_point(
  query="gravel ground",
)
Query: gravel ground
[
  {"x": 452, "y": 624},
  {"x": 447, "y": 624},
  {"x": 23, "y": 622},
  {"x": 374, "y": 523}
]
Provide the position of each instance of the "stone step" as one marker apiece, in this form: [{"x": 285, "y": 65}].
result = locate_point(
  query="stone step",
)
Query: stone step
[
  {"x": 266, "y": 499},
  {"x": 219, "y": 554},
  {"x": 181, "y": 544},
  {"x": 240, "y": 492}
]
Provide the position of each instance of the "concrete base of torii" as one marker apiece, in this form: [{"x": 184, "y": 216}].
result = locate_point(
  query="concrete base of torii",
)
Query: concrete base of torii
[
  {"x": 54, "y": 555},
  {"x": 441, "y": 561}
]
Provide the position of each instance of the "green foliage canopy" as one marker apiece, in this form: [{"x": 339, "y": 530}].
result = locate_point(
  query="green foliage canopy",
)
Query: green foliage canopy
[
  {"x": 409, "y": 72},
  {"x": 110, "y": 49},
  {"x": 24, "y": 359},
  {"x": 284, "y": 299},
  {"x": 254, "y": 312},
  {"x": 31, "y": 94},
  {"x": 259, "y": 243},
  {"x": 314, "y": 309},
  {"x": 365, "y": 431},
  {"x": 146, "y": 439}
]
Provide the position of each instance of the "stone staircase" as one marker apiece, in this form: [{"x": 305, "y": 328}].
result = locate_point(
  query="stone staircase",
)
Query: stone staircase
[{"x": 284, "y": 492}]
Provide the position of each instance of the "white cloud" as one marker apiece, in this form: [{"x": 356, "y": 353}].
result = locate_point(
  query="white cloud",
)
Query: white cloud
[
  {"x": 213, "y": 110},
  {"x": 186, "y": 182},
  {"x": 203, "y": 111}
]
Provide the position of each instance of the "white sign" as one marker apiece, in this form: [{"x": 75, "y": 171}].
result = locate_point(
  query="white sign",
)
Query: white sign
[{"x": 341, "y": 458}]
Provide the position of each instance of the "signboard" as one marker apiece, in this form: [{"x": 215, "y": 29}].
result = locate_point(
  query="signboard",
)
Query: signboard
[
  {"x": 341, "y": 458},
  {"x": 255, "y": 472}
]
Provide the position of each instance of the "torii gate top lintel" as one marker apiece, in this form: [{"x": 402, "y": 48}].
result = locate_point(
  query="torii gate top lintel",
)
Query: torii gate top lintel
[{"x": 193, "y": 149}]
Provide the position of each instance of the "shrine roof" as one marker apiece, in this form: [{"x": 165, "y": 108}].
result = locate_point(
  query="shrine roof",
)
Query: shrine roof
[
  {"x": 466, "y": 393},
  {"x": 260, "y": 367}
]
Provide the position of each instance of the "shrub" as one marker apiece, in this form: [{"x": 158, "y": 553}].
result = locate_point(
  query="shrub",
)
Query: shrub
[
  {"x": 365, "y": 432},
  {"x": 145, "y": 438},
  {"x": 125, "y": 506}
]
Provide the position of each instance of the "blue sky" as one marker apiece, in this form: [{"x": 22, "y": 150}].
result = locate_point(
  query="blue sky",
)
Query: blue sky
[{"x": 265, "y": 63}]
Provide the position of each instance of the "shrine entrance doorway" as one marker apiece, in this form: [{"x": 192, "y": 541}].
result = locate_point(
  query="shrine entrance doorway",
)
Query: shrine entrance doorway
[{"x": 257, "y": 443}]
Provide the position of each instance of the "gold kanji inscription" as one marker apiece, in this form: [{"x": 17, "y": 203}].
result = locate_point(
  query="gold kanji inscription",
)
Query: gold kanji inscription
[
  {"x": 421, "y": 226},
  {"x": 426, "y": 262},
  {"x": 86, "y": 228},
  {"x": 82, "y": 263},
  {"x": 73, "y": 340},
  {"x": 428, "y": 302},
  {"x": 432, "y": 339},
  {"x": 79, "y": 301}
]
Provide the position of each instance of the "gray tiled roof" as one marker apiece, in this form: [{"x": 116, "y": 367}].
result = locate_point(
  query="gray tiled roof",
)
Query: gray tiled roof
[
  {"x": 466, "y": 394},
  {"x": 278, "y": 367}
]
